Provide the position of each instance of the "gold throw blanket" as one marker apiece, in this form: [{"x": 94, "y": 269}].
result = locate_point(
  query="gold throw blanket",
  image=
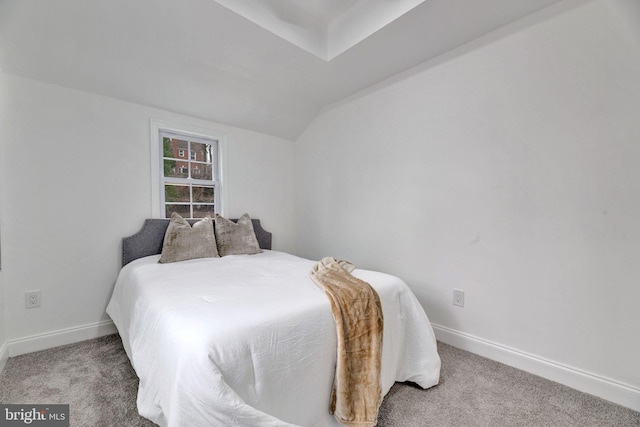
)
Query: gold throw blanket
[{"x": 357, "y": 311}]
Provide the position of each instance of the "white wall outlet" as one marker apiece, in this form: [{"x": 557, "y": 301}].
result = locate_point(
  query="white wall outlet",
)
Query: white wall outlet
[
  {"x": 458, "y": 297},
  {"x": 32, "y": 299}
]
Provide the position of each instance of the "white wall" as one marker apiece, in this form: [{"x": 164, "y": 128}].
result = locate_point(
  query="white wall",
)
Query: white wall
[
  {"x": 76, "y": 170},
  {"x": 3, "y": 330},
  {"x": 4, "y": 353},
  {"x": 508, "y": 169},
  {"x": 3, "y": 335}
]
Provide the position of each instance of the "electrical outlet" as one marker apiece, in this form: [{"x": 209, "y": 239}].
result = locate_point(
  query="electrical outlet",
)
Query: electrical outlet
[
  {"x": 458, "y": 297},
  {"x": 32, "y": 299}
]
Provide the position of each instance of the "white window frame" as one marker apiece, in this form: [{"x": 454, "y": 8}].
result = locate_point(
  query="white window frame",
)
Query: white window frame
[{"x": 157, "y": 127}]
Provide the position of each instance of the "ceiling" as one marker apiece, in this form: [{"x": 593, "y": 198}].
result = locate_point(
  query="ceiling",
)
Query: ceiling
[
  {"x": 200, "y": 58},
  {"x": 325, "y": 28}
]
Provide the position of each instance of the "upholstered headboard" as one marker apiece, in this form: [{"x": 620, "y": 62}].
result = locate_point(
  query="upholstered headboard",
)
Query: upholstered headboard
[{"x": 148, "y": 241}]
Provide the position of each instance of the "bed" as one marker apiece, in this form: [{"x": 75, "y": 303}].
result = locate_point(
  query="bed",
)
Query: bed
[{"x": 248, "y": 340}]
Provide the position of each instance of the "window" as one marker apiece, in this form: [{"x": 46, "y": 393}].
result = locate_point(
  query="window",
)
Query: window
[
  {"x": 179, "y": 183},
  {"x": 190, "y": 187}
]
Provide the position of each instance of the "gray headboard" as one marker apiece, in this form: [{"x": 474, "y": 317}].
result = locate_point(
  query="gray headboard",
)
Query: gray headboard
[{"x": 148, "y": 241}]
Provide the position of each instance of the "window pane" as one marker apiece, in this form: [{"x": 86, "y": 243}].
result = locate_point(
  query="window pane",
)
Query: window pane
[
  {"x": 200, "y": 211},
  {"x": 176, "y": 193},
  {"x": 201, "y": 171},
  {"x": 176, "y": 169},
  {"x": 169, "y": 167},
  {"x": 167, "y": 150},
  {"x": 203, "y": 194},
  {"x": 183, "y": 210},
  {"x": 201, "y": 152},
  {"x": 174, "y": 148},
  {"x": 189, "y": 172}
]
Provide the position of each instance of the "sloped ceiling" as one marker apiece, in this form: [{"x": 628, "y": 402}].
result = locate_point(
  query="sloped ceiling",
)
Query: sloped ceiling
[{"x": 199, "y": 58}]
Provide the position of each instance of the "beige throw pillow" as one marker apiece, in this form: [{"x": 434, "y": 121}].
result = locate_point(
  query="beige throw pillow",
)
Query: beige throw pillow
[
  {"x": 183, "y": 242},
  {"x": 236, "y": 238}
]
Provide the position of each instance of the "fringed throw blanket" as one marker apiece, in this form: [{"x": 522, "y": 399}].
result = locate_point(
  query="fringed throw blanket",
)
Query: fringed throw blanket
[{"x": 357, "y": 311}]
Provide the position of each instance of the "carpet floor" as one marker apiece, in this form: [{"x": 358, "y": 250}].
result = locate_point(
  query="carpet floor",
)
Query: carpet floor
[{"x": 96, "y": 379}]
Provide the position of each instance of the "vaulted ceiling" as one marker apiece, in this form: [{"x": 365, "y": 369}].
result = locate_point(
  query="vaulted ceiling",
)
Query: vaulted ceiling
[{"x": 203, "y": 59}]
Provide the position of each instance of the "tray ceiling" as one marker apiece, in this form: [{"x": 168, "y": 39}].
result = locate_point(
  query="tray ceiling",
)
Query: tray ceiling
[{"x": 325, "y": 28}]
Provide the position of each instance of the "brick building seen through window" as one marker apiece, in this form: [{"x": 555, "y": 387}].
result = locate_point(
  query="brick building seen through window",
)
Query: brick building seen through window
[{"x": 189, "y": 176}]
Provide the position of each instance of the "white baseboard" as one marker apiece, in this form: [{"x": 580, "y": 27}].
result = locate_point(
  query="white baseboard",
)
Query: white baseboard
[
  {"x": 60, "y": 337},
  {"x": 608, "y": 389},
  {"x": 4, "y": 355}
]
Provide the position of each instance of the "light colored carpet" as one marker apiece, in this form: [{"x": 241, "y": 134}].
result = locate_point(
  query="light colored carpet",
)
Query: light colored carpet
[{"x": 96, "y": 379}]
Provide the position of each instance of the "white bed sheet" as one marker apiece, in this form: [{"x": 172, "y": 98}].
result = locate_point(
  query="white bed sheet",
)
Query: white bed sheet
[{"x": 249, "y": 340}]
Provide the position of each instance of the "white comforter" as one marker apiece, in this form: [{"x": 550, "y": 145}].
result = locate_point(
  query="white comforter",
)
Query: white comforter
[{"x": 248, "y": 340}]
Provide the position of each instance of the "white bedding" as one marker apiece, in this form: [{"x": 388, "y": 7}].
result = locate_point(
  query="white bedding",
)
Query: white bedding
[{"x": 248, "y": 340}]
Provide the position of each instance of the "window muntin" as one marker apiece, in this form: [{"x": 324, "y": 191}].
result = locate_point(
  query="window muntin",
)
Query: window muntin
[{"x": 190, "y": 186}]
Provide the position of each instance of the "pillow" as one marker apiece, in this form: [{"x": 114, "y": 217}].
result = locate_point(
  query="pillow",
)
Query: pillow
[
  {"x": 236, "y": 238},
  {"x": 183, "y": 242}
]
